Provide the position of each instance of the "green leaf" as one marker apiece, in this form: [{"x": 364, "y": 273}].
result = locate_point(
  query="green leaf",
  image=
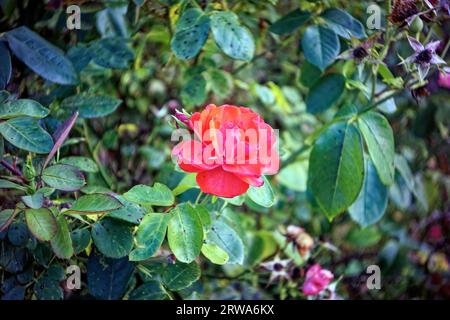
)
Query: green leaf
[
  {"x": 83, "y": 163},
  {"x": 193, "y": 92},
  {"x": 63, "y": 177},
  {"x": 380, "y": 143},
  {"x": 264, "y": 195},
  {"x": 150, "y": 235},
  {"x": 25, "y": 133},
  {"x": 151, "y": 290},
  {"x": 112, "y": 53},
  {"x": 185, "y": 233},
  {"x": 158, "y": 195},
  {"x": 91, "y": 106},
  {"x": 22, "y": 107},
  {"x": 108, "y": 278},
  {"x": 371, "y": 203},
  {"x": 62, "y": 242},
  {"x": 203, "y": 215},
  {"x": 235, "y": 40},
  {"x": 399, "y": 193},
  {"x": 129, "y": 212},
  {"x": 414, "y": 184},
  {"x": 80, "y": 240},
  {"x": 343, "y": 23},
  {"x": 191, "y": 33},
  {"x": 4, "y": 95},
  {"x": 94, "y": 204},
  {"x": 405, "y": 171},
  {"x": 188, "y": 182},
  {"x": 336, "y": 168},
  {"x": 221, "y": 82},
  {"x": 5, "y": 66},
  {"x": 180, "y": 275},
  {"x": 47, "y": 288},
  {"x": 362, "y": 238},
  {"x": 6, "y": 218},
  {"x": 215, "y": 254},
  {"x": 294, "y": 176},
  {"x": 41, "y": 223},
  {"x": 320, "y": 46},
  {"x": 309, "y": 74},
  {"x": 40, "y": 56},
  {"x": 18, "y": 234},
  {"x": 290, "y": 22},
  {"x": 6, "y": 184},
  {"x": 113, "y": 238},
  {"x": 226, "y": 237},
  {"x": 346, "y": 112},
  {"x": 34, "y": 201},
  {"x": 80, "y": 55},
  {"x": 325, "y": 93},
  {"x": 236, "y": 201},
  {"x": 111, "y": 22}
]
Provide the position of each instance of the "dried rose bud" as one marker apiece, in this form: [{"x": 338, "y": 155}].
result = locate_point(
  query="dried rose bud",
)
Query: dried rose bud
[
  {"x": 304, "y": 243},
  {"x": 403, "y": 11},
  {"x": 301, "y": 240}
]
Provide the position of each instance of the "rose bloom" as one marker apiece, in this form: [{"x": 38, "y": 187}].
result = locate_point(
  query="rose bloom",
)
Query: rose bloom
[
  {"x": 232, "y": 149},
  {"x": 316, "y": 280}
]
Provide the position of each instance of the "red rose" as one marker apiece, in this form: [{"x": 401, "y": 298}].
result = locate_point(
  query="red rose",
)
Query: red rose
[{"x": 233, "y": 148}]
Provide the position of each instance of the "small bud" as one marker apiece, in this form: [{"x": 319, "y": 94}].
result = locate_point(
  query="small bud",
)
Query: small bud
[
  {"x": 416, "y": 25},
  {"x": 183, "y": 118}
]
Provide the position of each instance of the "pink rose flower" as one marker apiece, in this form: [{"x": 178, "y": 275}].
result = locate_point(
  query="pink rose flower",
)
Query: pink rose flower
[
  {"x": 444, "y": 80},
  {"x": 316, "y": 280}
]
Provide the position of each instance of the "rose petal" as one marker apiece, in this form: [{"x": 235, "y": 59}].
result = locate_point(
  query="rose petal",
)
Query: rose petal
[
  {"x": 221, "y": 183},
  {"x": 190, "y": 156},
  {"x": 252, "y": 180},
  {"x": 243, "y": 169}
]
